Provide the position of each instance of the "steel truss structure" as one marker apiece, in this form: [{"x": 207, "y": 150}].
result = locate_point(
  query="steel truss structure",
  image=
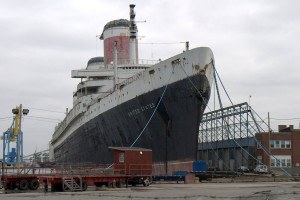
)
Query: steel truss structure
[{"x": 227, "y": 137}]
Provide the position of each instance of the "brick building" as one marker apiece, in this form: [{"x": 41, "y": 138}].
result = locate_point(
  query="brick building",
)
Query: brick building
[{"x": 284, "y": 145}]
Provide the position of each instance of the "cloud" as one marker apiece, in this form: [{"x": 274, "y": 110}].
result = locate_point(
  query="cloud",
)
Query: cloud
[{"x": 255, "y": 43}]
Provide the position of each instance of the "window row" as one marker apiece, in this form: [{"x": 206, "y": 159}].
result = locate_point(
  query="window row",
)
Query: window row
[
  {"x": 133, "y": 67},
  {"x": 280, "y": 144},
  {"x": 281, "y": 161}
]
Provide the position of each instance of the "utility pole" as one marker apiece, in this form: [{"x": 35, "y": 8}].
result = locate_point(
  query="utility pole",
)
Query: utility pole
[
  {"x": 269, "y": 122},
  {"x": 269, "y": 130}
]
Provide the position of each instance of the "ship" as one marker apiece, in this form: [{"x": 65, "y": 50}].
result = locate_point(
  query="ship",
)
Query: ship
[{"x": 122, "y": 101}]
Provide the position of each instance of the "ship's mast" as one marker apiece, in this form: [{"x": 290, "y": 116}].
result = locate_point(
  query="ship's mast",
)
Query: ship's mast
[{"x": 132, "y": 38}]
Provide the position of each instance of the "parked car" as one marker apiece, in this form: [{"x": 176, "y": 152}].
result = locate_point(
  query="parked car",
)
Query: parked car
[
  {"x": 261, "y": 169},
  {"x": 243, "y": 169}
]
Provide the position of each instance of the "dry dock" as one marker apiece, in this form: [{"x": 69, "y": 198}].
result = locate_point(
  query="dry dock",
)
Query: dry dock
[{"x": 201, "y": 191}]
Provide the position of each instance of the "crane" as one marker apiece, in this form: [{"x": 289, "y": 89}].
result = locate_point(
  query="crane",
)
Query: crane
[{"x": 13, "y": 139}]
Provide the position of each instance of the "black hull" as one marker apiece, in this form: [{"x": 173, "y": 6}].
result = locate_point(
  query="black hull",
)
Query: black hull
[{"x": 172, "y": 133}]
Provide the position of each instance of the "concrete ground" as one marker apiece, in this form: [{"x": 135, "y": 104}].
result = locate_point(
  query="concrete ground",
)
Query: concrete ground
[{"x": 201, "y": 191}]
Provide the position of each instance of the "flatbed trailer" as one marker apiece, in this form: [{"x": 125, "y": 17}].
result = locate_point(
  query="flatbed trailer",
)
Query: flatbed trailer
[
  {"x": 74, "y": 183},
  {"x": 21, "y": 182},
  {"x": 76, "y": 178},
  {"x": 131, "y": 165},
  {"x": 80, "y": 183}
]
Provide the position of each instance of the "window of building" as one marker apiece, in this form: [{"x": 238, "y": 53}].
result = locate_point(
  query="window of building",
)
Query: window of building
[
  {"x": 288, "y": 162},
  {"x": 280, "y": 144},
  {"x": 121, "y": 157},
  {"x": 272, "y": 162},
  {"x": 277, "y": 162},
  {"x": 281, "y": 161}
]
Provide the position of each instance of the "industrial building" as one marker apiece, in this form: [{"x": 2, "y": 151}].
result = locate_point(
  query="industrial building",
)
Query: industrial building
[
  {"x": 232, "y": 137},
  {"x": 284, "y": 146},
  {"x": 273, "y": 149},
  {"x": 227, "y": 155}
]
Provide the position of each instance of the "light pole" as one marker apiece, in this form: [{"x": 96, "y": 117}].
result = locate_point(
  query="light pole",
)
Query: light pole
[
  {"x": 18, "y": 111},
  {"x": 19, "y": 138}
]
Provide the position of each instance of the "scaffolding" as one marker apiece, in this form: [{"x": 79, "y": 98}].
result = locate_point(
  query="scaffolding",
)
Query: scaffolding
[{"x": 226, "y": 137}]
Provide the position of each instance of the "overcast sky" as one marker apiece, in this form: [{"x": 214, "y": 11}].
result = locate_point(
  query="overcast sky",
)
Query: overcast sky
[{"x": 256, "y": 45}]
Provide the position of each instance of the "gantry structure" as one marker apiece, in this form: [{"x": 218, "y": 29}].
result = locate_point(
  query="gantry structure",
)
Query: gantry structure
[{"x": 227, "y": 137}]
